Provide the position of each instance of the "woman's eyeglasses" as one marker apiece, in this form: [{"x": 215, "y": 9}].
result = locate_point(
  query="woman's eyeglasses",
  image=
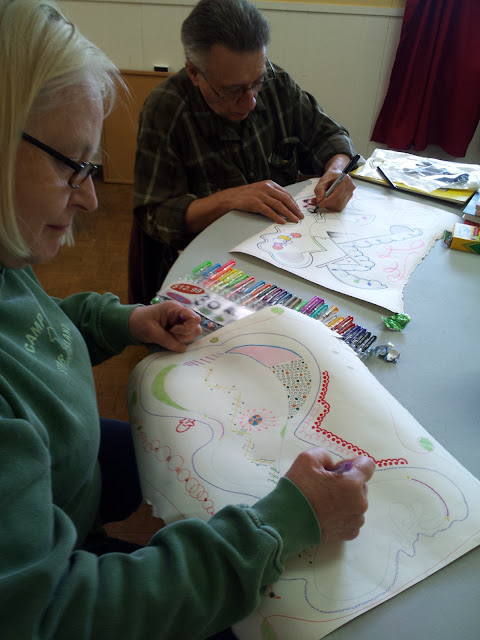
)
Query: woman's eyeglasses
[{"x": 81, "y": 171}]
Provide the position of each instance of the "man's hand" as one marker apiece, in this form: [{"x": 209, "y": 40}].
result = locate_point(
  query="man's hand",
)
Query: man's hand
[
  {"x": 342, "y": 193},
  {"x": 267, "y": 198},
  {"x": 338, "y": 499},
  {"x": 339, "y": 197},
  {"x": 168, "y": 324}
]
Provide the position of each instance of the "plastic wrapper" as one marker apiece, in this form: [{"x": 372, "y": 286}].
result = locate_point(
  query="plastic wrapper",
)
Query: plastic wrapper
[{"x": 424, "y": 174}]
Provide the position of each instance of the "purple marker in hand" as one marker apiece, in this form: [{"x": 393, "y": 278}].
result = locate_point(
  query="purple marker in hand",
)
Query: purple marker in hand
[{"x": 343, "y": 467}]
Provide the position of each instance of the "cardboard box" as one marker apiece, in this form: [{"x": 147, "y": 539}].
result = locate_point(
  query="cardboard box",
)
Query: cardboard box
[{"x": 464, "y": 237}]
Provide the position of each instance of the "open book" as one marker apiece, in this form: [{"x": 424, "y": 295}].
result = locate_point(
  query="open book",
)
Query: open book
[{"x": 239, "y": 406}]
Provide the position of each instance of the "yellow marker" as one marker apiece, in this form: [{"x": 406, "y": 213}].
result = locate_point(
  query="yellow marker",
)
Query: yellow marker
[
  {"x": 226, "y": 276},
  {"x": 335, "y": 321},
  {"x": 328, "y": 313}
]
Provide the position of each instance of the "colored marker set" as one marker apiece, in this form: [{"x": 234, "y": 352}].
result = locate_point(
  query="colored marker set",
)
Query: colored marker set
[{"x": 220, "y": 294}]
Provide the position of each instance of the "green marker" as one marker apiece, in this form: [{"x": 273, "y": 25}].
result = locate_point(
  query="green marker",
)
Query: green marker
[
  {"x": 239, "y": 277},
  {"x": 321, "y": 309},
  {"x": 201, "y": 267},
  {"x": 301, "y": 305}
]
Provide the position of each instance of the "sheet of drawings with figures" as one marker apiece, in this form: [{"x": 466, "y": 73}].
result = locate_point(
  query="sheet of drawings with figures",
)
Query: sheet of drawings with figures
[
  {"x": 367, "y": 251},
  {"x": 220, "y": 423}
]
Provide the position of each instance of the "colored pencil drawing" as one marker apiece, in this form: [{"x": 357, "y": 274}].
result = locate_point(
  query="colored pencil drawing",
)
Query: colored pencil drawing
[
  {"x": 367, "y": 251},
  {"x": 207, "y": 434}
]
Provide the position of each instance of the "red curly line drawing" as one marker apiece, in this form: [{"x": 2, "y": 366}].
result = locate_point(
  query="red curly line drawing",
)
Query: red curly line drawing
[
  {"x": 322, "y": 401},
  {"x": 184, "y": 424},
  {"x": 414, "y": 246},
  {"x": 395, "y": 271},
  {"x": 175, "y": 462},
  {"x": 388, "y": 462}
]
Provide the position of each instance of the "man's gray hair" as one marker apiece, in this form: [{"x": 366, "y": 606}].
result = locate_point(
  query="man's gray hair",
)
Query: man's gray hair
[{"x": 235, "y": 24}]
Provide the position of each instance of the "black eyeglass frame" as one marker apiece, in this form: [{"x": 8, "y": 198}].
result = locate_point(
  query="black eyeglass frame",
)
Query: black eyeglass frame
[
  {"x": 81, "y": 171},
  {"x": 239, "y": 92}
]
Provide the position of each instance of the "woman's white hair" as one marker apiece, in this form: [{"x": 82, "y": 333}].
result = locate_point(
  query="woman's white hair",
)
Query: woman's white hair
[{"x": 41, "y": 55}]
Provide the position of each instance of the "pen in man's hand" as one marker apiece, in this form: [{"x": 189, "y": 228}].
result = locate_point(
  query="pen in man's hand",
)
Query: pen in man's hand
[{"x": 343, "y": 175}]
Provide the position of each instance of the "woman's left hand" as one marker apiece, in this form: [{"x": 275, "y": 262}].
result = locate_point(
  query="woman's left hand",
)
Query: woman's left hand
[{"x": 168, "y": 324}]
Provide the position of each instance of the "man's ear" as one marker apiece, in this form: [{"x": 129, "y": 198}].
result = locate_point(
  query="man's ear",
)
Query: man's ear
[{"x": 193, "y": 72}]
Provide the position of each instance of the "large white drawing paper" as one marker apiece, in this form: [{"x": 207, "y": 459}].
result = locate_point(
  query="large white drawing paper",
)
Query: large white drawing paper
[
  {"x": 367, "y": 251},
  {"x": 220, "y": 423}
]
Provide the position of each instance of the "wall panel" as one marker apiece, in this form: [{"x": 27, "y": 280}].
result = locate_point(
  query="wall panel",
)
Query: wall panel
[{"x": 342, "y": 54}]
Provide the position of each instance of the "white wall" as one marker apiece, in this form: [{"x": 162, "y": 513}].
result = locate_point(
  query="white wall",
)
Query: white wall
[{"x": 343, "y": 55}]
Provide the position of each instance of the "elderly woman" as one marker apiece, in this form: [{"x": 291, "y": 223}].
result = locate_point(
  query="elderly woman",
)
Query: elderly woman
[{"x": 194, "y": 578}]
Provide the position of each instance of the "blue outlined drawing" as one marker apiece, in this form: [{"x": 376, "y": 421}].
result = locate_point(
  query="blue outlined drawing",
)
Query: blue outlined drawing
[
  {"x": 342, "y": 252},
  {"x": 367, "y": 251}
]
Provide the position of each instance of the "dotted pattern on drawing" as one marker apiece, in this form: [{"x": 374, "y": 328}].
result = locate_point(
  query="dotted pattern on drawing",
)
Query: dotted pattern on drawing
[{"x": 296, "y": 379}]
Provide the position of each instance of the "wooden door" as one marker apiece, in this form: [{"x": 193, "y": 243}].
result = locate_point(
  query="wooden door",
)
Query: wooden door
[{"x": 119, "y": 134}]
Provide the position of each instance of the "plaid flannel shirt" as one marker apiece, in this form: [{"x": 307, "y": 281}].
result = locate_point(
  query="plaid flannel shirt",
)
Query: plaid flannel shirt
[{"x": 186, "y": 151}]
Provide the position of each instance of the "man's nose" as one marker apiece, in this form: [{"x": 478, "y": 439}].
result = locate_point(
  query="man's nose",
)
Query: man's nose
[{"x": 249, "y": 98}]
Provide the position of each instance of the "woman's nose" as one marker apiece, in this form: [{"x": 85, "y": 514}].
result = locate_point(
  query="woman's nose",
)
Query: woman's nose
[{"x": 85, "y": 195}]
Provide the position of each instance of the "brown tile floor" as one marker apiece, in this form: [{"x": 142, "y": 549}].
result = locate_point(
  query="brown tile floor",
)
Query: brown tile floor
[{"x": 98, "y": 262}]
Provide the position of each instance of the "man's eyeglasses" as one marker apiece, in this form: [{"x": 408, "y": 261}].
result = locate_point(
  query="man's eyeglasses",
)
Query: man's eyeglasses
[
  {"x": 235, "y": 94},
  {"x": 81, "y": 171}
]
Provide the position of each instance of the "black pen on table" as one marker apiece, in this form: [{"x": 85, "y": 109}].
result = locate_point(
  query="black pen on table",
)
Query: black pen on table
[
  {"x": 385, "y": 177},
  {"x": 345, "y": 171}
]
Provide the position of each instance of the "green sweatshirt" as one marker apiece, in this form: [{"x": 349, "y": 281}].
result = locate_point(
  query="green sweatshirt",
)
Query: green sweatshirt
[{"x": 193, "y": 579}]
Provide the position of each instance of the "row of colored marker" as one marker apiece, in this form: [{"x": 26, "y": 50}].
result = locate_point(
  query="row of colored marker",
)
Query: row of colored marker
[{"x": 243, "y": 290}]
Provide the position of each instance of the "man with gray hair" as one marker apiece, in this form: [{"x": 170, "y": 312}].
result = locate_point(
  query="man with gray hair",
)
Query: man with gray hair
[{"x": 229, "y": 131}]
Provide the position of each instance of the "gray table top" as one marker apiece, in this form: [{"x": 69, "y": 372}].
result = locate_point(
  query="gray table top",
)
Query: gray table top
[{"x": 436, "y": 378}]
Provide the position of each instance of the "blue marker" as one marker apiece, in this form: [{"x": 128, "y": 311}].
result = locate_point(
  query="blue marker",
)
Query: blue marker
[
  {"x": 250, "y": 289},
  {"x": 224, "y": 268},
  {"x": 358, "y": 332},
  {"x": 284, "y": 298},
  {"x": 244, "y": 287},
  {"x": 271, "y": 294},
  {"x": 278, "y": 294},
  {"x": 365, "y": 347},
  {"x": 204, "y": 274},
  {"x": 364, "y": 337},
  {"x": 352, "y": 333}
]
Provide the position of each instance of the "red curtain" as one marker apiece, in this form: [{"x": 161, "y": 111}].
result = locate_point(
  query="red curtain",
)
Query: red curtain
[{"x": 434, "y": 91}]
